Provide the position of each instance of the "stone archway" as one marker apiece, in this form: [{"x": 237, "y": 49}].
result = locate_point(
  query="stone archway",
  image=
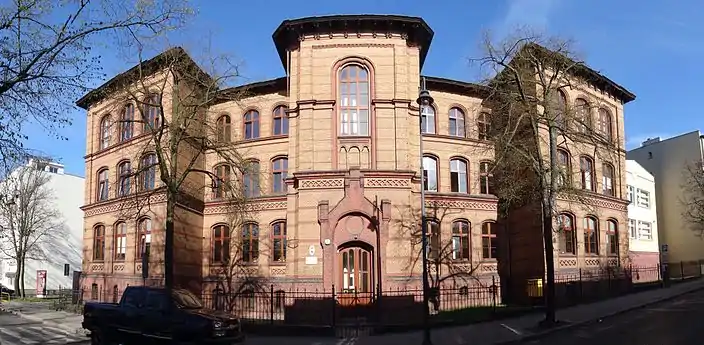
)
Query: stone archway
[{"x": 355, "y": 219}]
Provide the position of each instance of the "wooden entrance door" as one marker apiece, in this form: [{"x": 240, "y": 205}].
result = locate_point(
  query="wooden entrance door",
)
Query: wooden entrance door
[{"x": 356, "y": 267}]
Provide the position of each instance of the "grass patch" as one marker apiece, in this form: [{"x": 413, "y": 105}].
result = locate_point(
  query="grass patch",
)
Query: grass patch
[{"x": 481, "y": 314}]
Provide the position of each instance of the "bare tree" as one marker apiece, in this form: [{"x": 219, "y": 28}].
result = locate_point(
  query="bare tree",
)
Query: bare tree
[
  {"x": 166, "y": 104},
  {"x": 29, "y": 220},
  {"x": 47, "y": 56},
  {"x": 531, "y": 122},
  {"x": 692, "y": 198}
]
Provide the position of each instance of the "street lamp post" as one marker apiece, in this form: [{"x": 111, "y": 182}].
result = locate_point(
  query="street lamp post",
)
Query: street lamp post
[{"x": 424, "y": 102}]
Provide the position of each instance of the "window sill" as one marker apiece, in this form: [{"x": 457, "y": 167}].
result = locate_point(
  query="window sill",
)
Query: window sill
[{"x": 277, "y": 263}]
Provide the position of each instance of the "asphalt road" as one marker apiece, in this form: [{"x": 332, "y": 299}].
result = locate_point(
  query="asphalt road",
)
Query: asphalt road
[{"x": 674, "y": 322}]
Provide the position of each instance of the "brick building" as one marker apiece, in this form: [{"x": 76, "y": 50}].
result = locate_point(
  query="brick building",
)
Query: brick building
[{"x": 336, "y": 142}]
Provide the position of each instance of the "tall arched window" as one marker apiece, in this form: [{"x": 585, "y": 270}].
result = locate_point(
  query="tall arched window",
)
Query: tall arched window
[
  {"x": 565, "y": 166},
  {"x": 604, "y": 124},
  {"x": 278, "y": 237},
  {"x": 591, "y": 236},
  {"x": 427, "y": 115},
  {"x": 222, "y": 172},
  {"x": 152, "y": 106},
  {"x": 457, "y": 126},
  {"x": 458, "y": 176},
  {"x": 490, "y": 243},
  {"x": 483, "y": 126},
  {"x": 105, "y": 132},
  {"x": 124, "y": 171},
  {"x": 120, "y": 241},
  {"x": 586, "y": 171},
  {"x": 430, "y": 170},
  {"x": 280, "y": 125},
  {"x": 144, "y": 230},
  {"x": 250, "y": 177},
  {"x": 147, "y": 173},
  {"x": 251, "y": 124},
  {"x": 607, "y": 179},
  {"x": 279, "y": 169},
  {"x": 558, "y": 106},
  {"x": 127, "y": 122},
  {"x": 583, "y": 116},
  {"x": 460, "y": 240},
  {"x": 433, "y": 232},
  {"x": 353, "y": 84},
  {"x": 223, "y": 127},
  {"x": 566, "y": 234},
  {"x": 221, "y": 244},
  {"x": 612, "y": 237},
  {"x": 250, "y": 242},
  {"x": 99, "y": 243},
  {"x": 103, "y": 184},
  {"x": 486, "y": 178}
]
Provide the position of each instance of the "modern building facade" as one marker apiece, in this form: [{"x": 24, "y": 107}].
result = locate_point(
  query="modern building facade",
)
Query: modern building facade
[
  {"x": 668, "y": 160},
  {"x": 336, "y": 141},
  {"x": 65, "y": 247},
  {"x": 643, "y": 248}
]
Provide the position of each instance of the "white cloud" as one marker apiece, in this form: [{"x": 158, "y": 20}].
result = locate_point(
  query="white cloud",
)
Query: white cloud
[{"x": 534, "y": 14}]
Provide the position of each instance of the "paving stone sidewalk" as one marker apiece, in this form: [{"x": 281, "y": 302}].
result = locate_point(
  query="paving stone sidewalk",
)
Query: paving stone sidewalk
[
  {"x": 39, "y": 312},
  {"x": 523, "y": 328}
]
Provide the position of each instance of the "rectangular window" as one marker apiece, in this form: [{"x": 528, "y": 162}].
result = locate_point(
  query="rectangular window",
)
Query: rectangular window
[
  {"x": 643, "y": 198},
  {"x": 645, "y": 231},
  {"x": 631, "y": 193},
  {"x": 632, "y": 229}
]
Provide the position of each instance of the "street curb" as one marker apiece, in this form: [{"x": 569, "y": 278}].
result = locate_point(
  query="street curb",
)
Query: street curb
[{"x": 569, "y": 326}]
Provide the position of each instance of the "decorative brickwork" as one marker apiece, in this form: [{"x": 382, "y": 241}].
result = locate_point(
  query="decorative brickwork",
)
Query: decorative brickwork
[
  {"x": 321, "y": 184},
  {"x": 387, "y": 183}
]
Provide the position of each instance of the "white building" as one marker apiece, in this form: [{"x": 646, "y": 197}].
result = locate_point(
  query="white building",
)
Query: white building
[
  {"x": 68, "y": 198},
  {"x": 644, "y": 248}
]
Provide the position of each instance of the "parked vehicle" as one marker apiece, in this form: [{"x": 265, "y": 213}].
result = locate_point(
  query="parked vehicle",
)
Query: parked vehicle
[{"x": 146, "y": 314}]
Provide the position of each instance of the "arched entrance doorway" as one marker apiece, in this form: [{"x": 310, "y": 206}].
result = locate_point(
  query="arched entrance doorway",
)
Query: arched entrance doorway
[{"x": 355, "y": 273}]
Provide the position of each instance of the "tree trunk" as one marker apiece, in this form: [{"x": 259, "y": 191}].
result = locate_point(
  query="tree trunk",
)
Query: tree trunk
[
  {"x": 18, "y": 291},
  {"x": 24, "y": 293},
  {"x": 169, "y": 241},
  {"x": 548, "y": 204}
]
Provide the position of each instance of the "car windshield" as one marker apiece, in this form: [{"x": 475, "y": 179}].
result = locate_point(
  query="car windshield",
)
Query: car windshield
[{"x": 185, "y": 299}]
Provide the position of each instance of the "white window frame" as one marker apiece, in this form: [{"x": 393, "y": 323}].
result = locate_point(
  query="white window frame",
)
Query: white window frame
[
  {"x": 428, "y": 119},
  {"x": 632, "y": 229},
  {"x": 631, "y": 193},
  {"x": 645, "y": 230},
  {"x": 642, "y": 198}
]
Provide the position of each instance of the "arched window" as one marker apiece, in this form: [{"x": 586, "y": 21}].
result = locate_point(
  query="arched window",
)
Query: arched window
[
  {"x": 604, "y": 124},
  {"x": 103, "y": 185},
  {"x": 152, "y": 106},
  {"x": 124, "y": 171},
  {"x": 99, "y": 243},
  {"x": 427, "y": 114},
  {"x": 115, "y": 293},
  {"x": 486, "y": 178},
  {"x": 223, "y": 128},
  {"x": 591, "y": 236},
  {"x": 565, "y": 166},
  {"x": 280, "y": 126},
  {"x": 460, "y": 240},
  {"x": 94, "y": 291},
  {"x": 221, "y": 244},
  {"x": 612, "y": 237},
  {"x": 458, "y": 176},
  {"x": 144, "y": 230},
  {"x": 105, "y": 132},
  {"x": 483, "y": 126},
  {"x": 430, "y": 170},
  {"x": 583, "y": 116},
  {"x": 353, "y": 84},
  {"x": 457, "y": 127},
  {"x": 251, "y": 179},
  {"x": 251, "y": 124},
  {"x": 120, "y": 241},
  {"x": 607, "y": 179},
  {"x": 433, "y": 232},
  {"x": 250, "y": 242},
  {"x": 566, "y": 234},
  {"x": 278, "y": 234},
  {"x": 222, "y": 172},
  {"x": 489, "y": 241},
  {"x": 558, "y": 106},
  {"x": 147, "y": 174},
  {"x": 586, "y": 171},
  {"x": 279, "y": 169},
  {"x": 127, "y": 122}
]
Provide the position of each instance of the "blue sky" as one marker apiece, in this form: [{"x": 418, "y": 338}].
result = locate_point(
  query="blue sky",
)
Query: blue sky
[{"x": 635, "y": 43}]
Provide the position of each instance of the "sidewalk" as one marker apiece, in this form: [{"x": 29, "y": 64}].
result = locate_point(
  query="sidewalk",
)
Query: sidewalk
[
  {"x": 33, "y": 311},
  {"x": 520, "y": 329}
]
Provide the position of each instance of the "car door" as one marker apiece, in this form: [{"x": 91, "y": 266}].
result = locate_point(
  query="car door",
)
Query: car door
[
  {"x": 156, "y": 313},
  {"x": 129, "y": 320}
]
